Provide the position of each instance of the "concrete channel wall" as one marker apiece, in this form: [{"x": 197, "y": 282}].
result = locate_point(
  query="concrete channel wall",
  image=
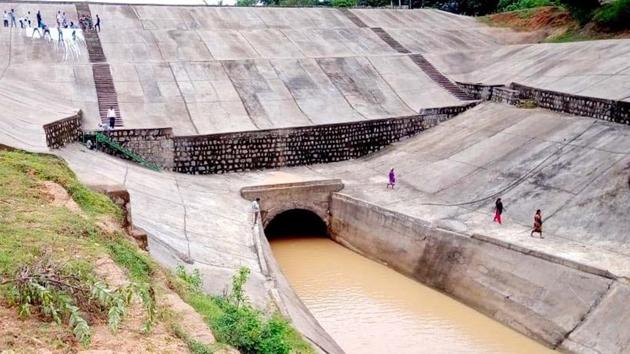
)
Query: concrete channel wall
[{"x": 557, "y": 303}]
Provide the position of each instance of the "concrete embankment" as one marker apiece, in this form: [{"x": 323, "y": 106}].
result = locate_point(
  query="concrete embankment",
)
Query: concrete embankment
[{"x": 561, "y": 304}]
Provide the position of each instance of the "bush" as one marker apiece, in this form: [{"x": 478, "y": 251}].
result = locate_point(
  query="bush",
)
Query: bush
[
  {"x": 513, "y": 5},
  {"x": 236, "y": 322},
  {"x": 343, "y": 3},
  {"x": 581, "y": 10},
  {"x": 614, "y": 15}
]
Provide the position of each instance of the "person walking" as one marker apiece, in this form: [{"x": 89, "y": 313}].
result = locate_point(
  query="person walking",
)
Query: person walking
[
  {"x": 392, "y": 179},
  {"x": 27, "y": 19},
  {"x": 498, "y": 210},
  {"x": 5, "y": 19},
  {"x": 59, "y": 18},
  {"x": 97, "y": 26},
  {"x": 39, "y": 19},
  {"x": 13, "y": 22},
  {"x": 60, "y": 34},
  {"x": 255, "y": 211},
  {"x": 111, "y": 117},
  {"x": 538, "y": 222}
]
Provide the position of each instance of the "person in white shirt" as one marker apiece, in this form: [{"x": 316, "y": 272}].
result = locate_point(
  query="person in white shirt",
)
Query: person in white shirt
[
  {"x": 111, "y": 117},
  {"x": 255, "y": 211}
]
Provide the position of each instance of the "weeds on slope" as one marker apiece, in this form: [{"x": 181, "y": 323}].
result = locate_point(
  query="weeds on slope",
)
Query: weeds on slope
[{"x": 235, "y": 321}]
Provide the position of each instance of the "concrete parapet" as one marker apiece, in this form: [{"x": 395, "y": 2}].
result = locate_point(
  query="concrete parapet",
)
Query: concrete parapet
[
  {"x": 541, "y": 296},
  {"x": 63, "y": 131}
]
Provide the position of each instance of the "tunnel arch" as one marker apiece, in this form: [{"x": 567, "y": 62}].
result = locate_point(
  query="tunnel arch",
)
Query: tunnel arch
[{"x": 295, "y": 222}]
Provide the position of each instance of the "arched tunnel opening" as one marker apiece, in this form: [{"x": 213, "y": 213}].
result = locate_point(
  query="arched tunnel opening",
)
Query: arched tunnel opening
[{"x": 296, "y": 222}]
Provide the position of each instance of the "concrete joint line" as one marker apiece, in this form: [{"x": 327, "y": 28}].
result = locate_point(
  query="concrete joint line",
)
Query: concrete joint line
[
  {"x": 584, "y": 317},
  {"x": 179, "y": 89},
  {"x": 185, "y": 218}
]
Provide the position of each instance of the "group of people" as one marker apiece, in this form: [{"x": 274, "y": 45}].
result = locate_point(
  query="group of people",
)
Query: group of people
[
  {"x": 498, "y": 207},
  {"x": 12, "y": 19}
]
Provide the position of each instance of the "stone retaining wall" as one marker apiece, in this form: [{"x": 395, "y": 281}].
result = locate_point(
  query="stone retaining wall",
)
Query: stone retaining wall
[
  {"x": 64, "y": 131},
  {"x": 610, "y": 110},
  {"x": 251, "y": 150},
  {"x": 559, "y": 303},
  {"x": 155, "y": 145}
]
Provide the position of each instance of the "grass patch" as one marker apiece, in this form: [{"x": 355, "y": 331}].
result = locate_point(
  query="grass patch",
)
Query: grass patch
[
  {"x": 47, "y": 252},
  {"x": 126, "y": 255},
  {"x": 51, "y": 168}
]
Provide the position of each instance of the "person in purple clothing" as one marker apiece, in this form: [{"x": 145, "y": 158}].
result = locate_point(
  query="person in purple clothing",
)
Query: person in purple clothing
[{"x": 392, "y": 178}]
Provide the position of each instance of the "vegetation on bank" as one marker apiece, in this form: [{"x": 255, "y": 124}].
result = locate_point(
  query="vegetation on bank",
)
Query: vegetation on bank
[
  {"x": 235, "y": 321},
  {"x": 48, "y": 251},
  {"x": 562, "y": 22},
  {"x": 55, "y": 295}
]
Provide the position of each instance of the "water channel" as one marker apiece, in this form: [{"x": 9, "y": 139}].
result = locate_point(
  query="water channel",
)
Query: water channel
[{"x": 369, "y": 308}]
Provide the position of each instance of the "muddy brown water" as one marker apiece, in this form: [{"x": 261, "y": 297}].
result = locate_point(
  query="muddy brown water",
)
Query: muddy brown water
[{"x": 368, "y": 308}]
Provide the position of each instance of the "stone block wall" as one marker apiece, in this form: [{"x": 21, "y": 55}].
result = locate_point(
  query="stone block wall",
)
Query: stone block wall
[
  {"x": 64, "y": 131},
  {"x": 610, "y": 110},
  {"x": 478, "y": 91},
  {"x": 252, "y": 150},
  {"x": 563, "y": 102},
  {"x": 155, "y": 145}
]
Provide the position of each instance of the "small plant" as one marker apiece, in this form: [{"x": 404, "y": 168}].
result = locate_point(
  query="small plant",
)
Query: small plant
[
  {"x": 192, "y": 280},
  {"x": 236, "y": 322},
  {"x": 44, "y": 287}
]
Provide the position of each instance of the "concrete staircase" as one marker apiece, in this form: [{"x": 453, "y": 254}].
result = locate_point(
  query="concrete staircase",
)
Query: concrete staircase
[
  {"x": 438, "y": 77},
  {"x": 103, "y": 80},
  {"x": 105, "y": 92},
  {"x": 418, "y": 59}
]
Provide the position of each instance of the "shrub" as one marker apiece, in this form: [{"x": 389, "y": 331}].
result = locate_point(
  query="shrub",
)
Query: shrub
[
  {"x": 614, "y": 15},
  {"x": 344, "y": 3},
  {"x": 513, "y": 5},
  {"x": 581, "y": 10}
]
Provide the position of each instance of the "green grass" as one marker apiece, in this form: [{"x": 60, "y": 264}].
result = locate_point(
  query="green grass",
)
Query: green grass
[
  {"x": 31, "y": 227},
  {"x": 572, "y": 36},
  {"x": 51, "y": 168},
  {"x": 126, "y": 255}
]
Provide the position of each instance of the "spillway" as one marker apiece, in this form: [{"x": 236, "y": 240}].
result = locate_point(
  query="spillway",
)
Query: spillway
[{"x": 369, "y": 308}]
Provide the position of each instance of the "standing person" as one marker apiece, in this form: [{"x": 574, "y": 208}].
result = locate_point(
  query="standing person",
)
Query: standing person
[
  {"x": 46, "y": 31},
  {"x": 74, "y": 30},
  {"x": 60, "y": 34},
  {"x": 97, "y": 26},
  {"x": 538, "y": 222},
  {"x": 39, "y": 19},
  {"x": 392, "y": 179},
  {"x": 13, "y": 23},
  {"x": 6, "y": 19},
  {"x": 64, "y": 20},
  {"x": 498, "y": 210},
  {"x": 111, "y": 117},
  {"x": 255, "y": 211}
]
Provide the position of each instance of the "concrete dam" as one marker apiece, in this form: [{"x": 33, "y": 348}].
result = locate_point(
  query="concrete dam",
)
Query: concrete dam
[{"x": 308, "y": 109}]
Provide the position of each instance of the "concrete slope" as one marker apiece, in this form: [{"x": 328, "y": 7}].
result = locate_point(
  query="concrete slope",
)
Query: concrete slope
[
  {"x": 206, "y": 70},
  {"x": 595, "y": 68}
]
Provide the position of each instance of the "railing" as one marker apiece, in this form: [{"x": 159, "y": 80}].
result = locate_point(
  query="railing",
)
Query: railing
[{"x": 104, "y": 139}]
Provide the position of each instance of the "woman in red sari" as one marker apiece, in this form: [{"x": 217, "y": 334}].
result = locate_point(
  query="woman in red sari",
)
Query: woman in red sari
[{"x": 537, "y": 224}]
